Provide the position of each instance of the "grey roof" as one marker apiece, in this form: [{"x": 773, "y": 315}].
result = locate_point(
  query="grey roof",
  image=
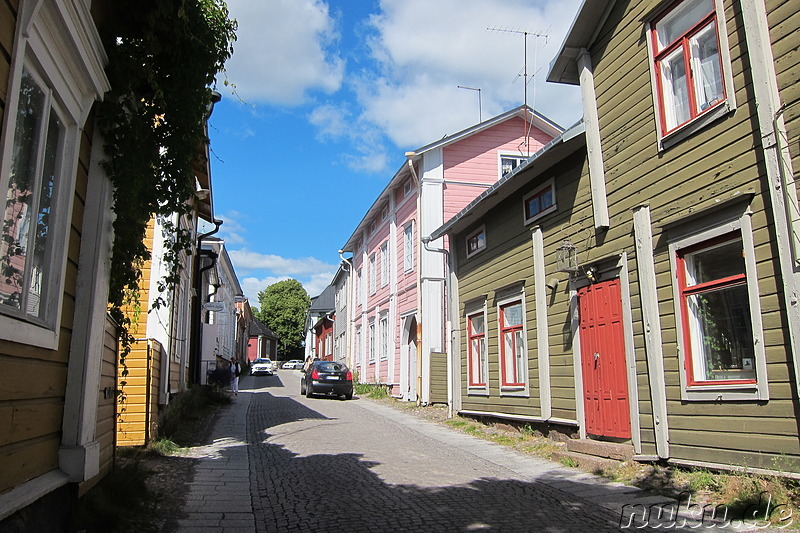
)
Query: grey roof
[
  {"x": 259, "y": 328},
  {"x": 325, "y": 302},
  {"x": 543, "y": 159}
]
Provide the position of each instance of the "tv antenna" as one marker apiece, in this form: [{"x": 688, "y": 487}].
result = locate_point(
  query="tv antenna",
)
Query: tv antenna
[
  {"x": 525, "y": 34},
  {"x": 480, "y": 110}
]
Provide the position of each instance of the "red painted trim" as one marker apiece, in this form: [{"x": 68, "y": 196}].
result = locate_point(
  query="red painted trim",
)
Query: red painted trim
[
  {"x": 471, "y": 337},
  {"x": 509, "y": 330}
]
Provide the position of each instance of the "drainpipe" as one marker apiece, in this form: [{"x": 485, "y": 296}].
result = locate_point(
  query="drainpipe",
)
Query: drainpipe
[
  {"x": 448, "y": 321},
  {"x": 410, "y": 159},
  {"x": 349, "y": 319},
  {"x": 197, "y": 328}
]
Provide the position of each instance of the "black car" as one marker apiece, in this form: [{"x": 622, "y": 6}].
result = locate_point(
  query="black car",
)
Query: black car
[{"x": 327, "y": 377}]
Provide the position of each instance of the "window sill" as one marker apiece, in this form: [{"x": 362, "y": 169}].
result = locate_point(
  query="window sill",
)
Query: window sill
[
  {"x": 731, "y": 392},
  {"x": 508, "y": 390},
  {"x": 478, "y": 391},
  {"x": 23, "y": 332},
  {"x": 690, "y": 128},
  {"x": 538, "y": 216}
]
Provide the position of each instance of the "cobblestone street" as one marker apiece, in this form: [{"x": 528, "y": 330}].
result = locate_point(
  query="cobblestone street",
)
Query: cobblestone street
[{"x": 282, "y": 462}]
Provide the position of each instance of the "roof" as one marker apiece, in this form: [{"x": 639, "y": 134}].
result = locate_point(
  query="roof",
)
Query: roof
[
  {"x": 259, "y": 328},
  {"x": 325, "y": 302},
  {"x": 524, "y": 112},
  {"x": 550, "y": 154},
  {"x": 581, "y": 35}
]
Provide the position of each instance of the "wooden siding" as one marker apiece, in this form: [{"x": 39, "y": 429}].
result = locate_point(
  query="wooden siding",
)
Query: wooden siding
[
  {"x": 438, "y": 377},
  {"x": 475, "y": 159},
  {"x": 717, "y": 162},
  {"x": 137, "y": 419},
  {"x": 508, "y": 258}
]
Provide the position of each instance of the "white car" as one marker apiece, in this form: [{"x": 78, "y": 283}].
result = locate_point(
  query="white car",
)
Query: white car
[
  {"x": 293, "y": 364},
  {"x": 262, "y": 366}
]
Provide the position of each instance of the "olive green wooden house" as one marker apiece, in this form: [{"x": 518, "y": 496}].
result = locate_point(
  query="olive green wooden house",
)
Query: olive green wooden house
[{"x": 645, "y": 288}]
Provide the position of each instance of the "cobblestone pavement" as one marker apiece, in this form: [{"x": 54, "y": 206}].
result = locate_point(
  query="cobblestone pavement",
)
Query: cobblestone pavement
[{"x": 280, "y": 462}]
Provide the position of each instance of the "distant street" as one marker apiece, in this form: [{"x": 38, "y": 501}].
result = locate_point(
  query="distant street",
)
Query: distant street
[{"x": 324, "y": 464}]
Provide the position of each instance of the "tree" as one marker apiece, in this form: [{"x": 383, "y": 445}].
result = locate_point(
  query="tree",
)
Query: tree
[{"x": 283, "y": 307}]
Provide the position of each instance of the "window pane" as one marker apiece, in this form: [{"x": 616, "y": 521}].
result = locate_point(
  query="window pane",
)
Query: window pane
[
  {"x": 512, "y": 315},
  {"x": 680, "y": 20},
  {"x": 548, "y": 199},
  {"x": 719, "y": 262},
  {"x": 476, "y": 323},
  {"x": 509, "y": 362},
  {"x": 706, "y": 68},
  {"x": 39, "y": 267},
  {"x": 722, "y": 337},
  {"x": 19, "y": 212},
  {"x": 675, "y": 90},
  {"x": 533, "y": 207}
]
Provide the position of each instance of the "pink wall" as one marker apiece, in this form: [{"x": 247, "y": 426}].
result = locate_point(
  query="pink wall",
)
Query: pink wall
[{"x": 476, "y": 159}]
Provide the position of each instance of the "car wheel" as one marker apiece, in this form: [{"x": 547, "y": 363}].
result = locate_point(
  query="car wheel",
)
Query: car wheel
[
  {"x": 302, "y": 388},
  {"x": 309, "y": 392},
  {"x": 348, "y": 396}
]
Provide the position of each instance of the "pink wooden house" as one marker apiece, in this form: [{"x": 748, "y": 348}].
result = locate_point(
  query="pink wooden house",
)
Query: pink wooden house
[{"x": 399, "y": 336}]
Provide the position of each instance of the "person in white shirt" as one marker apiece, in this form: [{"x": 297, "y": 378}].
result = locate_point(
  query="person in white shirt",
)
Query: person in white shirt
[{"x": 236, "y": 370}]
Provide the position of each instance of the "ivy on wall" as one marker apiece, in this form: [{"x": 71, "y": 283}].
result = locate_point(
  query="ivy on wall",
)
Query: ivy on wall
[{"x": 163, "y": 62}]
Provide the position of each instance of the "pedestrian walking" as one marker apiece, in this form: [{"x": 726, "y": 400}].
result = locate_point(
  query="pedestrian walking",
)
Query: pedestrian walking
[{"x": 236, "y": 371}]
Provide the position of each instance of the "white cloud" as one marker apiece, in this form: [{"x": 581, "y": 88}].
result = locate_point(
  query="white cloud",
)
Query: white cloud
[
  {"x": 368, "y": 152},
  {"x": 245, "y": 260},
  {"x": 283, "y": 49},
  {"x": 415, "y": 96}
]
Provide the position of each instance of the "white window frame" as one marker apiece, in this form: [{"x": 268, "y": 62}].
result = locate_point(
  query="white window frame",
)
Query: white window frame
[
  {"x": 372, "y": 274},
  {"x": 523, "y": 387},
  {"x": 408, "y": 247},
  {"x": 385, "y": 264},
  {"x": 357, "y": 290},
  {"x": 519, "y": 158},
  {"x": 383, "y": 331},
  {"x": 478, "y": 231},
  {"x": 407, "y": 188},
  {"x": 549, "y": 184},
  {"x": 472, "y": 311},
  {"x": 371, "y": 340},
  {"x": 722, "y": 108},
  {"x": 29, "y": 52},
  {"x": 723, "y": 391}
]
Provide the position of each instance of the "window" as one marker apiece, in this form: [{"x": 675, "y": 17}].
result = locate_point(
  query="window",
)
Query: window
[
  {"x": 384, "y": 213},
  {"x": 476, "y": 331},
  {"x": 371, "y": 228},
  {"x": 357, "y": 288},
  {"x": 384, "y": 333},
  {"x": 372, "y": 341},
  {"x": 539, "y": 202},
  {"x": 512, "y": 345},
  {"x": 372, "y": 274},
  {"x": 407, "y": 187},
  {"x": 509, "y": 162},
  {"x": 476, "y": 241},
  {"x": 689, "y": 70},
  {"x": 27, "y": 246},
  {"x": 408, "y": 247},
  {"x": 716, "y": 311},
  {"x": 718, "y": 315},
  {"x": 384, "y": 264},
  {"x": 357, "y": 355}
]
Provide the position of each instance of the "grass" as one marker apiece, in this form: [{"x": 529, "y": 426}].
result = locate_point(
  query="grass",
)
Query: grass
[
  {"x": 371, "y": 390},
  {"x": 185, "y": 411}
]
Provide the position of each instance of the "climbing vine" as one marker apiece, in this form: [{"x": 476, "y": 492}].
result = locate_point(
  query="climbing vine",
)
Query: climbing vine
[{"x": 162, "y": 67}]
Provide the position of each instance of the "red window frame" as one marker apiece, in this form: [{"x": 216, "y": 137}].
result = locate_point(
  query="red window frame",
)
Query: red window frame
[
  {"x": 687, "y": 291},
  {"x": 476, "y": 381},
  {"x": 510, "y": 330},
  {"x": 683, "y": 42}
]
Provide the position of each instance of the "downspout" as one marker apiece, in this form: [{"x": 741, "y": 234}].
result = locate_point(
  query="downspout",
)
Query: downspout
[
  {"x": 349, "y": 319},
  {"x": 197, "y": 328},
  {"x": 410, "y": 156},
  {"x": 448, "y": 323}
]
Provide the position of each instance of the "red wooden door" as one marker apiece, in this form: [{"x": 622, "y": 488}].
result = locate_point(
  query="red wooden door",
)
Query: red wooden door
[{"x": 605, "y": 384}]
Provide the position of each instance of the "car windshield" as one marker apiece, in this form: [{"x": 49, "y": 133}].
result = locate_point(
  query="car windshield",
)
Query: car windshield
[
  {"x": 261, "y": 361},
  {"x": 329, "y": 366}
]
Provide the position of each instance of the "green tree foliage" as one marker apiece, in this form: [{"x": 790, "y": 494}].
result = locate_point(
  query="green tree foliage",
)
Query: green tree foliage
[{"x": 283, "y": 307}]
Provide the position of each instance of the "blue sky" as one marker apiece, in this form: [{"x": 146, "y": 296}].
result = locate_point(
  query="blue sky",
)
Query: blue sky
[{"x": 330, "y": 95}]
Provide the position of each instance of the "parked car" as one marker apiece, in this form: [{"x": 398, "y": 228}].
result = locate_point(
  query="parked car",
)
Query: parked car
[
  {"x": 293, "y": 364},
  {"x": 327, "y": 377},
  {"x": 262, "y": 366}
]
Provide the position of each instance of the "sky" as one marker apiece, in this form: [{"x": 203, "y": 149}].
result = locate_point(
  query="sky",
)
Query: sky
[{"x": 323, "y": 99}]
